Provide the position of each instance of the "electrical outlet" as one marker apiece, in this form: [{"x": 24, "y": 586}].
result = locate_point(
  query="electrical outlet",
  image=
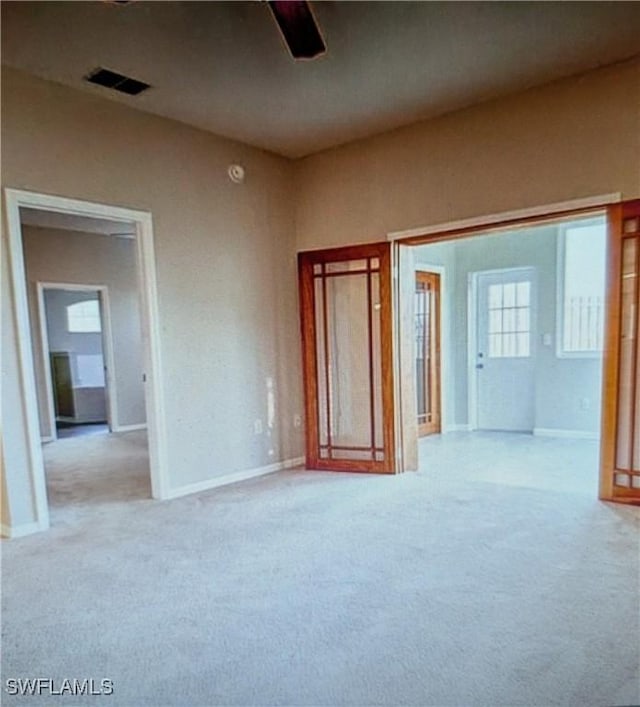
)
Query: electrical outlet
[
  {"x": 297, "y": 421},
  {"x": 585, "y": 403},
  {"x": 257, "y": 427}
]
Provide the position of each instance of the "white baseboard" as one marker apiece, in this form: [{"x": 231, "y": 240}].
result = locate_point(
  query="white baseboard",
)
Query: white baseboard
[
  {"x": 19, "y": 531},
  {"x": 564, "y": 434},
  {"x": 234, "y": 478},
  {"x": 456, "y": 428},
  {"x": 130, "y": 428}
]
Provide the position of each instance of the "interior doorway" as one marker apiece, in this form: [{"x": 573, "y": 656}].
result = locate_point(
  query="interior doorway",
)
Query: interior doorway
[
  {"x": 78, "y": 359},
  {"x": 89, "y": 377},
  {"x": 126, "y": 226},
  {"x": 526, "y": 359}
]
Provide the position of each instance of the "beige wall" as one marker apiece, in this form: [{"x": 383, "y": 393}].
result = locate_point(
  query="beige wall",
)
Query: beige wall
[
  {"x": 571, "y": 139},
  {"x": 225, "y": 270},
  {"x": 89, "y": 259}
]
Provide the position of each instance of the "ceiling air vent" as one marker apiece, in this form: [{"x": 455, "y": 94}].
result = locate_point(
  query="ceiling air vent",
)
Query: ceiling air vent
[{"x": 117, "y": 82}]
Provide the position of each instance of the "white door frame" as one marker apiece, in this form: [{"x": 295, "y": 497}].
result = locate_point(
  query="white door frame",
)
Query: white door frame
[
  {"x": 107, "y": 351},
  {"x": 472, "y": 336},
  {"x": 156, "y": 420}
]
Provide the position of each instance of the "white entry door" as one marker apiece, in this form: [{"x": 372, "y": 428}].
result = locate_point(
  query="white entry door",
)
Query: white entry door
[{"x": 505, "y": 349}]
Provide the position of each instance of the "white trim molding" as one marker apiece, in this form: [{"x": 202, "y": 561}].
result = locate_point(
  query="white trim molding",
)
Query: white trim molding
[
  {"x": 543, "y": 211},
  {"x": 18, "y": 285},
  {"x": 455, "y": 428},
  {"x": 46, "y": 363},
  {"x": 564, "y": 434},
  {"x": 107, "y": 348},
  {"x": 158, "y": 458},
  {"x": 130, "y": 428},
  {"x": 233, "y": 478}
]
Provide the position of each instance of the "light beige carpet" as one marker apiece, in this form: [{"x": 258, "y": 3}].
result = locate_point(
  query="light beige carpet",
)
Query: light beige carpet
[
  {"x": 95, "y": 474},
  {"x": 492, "y": 577}
]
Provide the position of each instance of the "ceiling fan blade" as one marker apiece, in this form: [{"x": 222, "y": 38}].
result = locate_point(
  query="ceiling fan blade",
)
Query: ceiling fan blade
[{"x": 298, "y": 27}]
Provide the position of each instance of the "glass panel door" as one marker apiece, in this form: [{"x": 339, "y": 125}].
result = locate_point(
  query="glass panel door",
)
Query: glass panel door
[
  {"x": 427, "y": 348},
  {"x": 620, "y": 468},
  {"x": 345, "y": 304}
]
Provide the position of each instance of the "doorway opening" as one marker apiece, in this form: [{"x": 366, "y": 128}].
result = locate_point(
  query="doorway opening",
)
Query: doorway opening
[
  {"x": 521, "y": 380},
  {"x": 574, "y": 315},
  {"x": 83, "y": 281},
  {"x": 77, "y": 358}
]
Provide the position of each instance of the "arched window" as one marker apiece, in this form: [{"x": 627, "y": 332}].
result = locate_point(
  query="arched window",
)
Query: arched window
[{"x": 84, "y": 317}]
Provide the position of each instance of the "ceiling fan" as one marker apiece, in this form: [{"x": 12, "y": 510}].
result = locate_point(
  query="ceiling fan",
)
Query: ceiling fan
[
  {"x": 296, "y": 23},
  {"x": 298, "y": 27}
]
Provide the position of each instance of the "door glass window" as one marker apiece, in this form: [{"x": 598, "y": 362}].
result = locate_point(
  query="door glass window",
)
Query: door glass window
[
  {"x": 510, "y": 320},
  {"x": 427, "y": 349},
  {"x": 348, "y": 360}
]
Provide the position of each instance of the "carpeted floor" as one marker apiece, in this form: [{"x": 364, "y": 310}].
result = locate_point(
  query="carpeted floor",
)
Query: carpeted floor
[
  {"x": 91, "y": 475},
  {"x": 492, "y": 577},
  {"x": 93, "y": 428}
]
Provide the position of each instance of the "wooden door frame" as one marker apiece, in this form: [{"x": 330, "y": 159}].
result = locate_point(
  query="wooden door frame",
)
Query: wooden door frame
[
  {"x": 611, "y": 353},
  {"x": 611, "y": 360},
  {"x": 107, "y": 350},
  {"x": 435, "y": 372},
  {"x": 610, "y": 204},
  {"x": 306, "y": 262}
]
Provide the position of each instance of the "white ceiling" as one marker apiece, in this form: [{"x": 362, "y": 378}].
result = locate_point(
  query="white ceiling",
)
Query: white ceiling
[
  {"x": 71, "y": 222},
  {"x": 222, "y": 66}
]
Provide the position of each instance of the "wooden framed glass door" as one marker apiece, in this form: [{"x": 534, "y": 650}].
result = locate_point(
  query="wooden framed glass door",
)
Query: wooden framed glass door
[
  {"x": 427, "y": 333},
  {"x": 346, "y": 320},
  {"x": 620, "y": 447}
]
